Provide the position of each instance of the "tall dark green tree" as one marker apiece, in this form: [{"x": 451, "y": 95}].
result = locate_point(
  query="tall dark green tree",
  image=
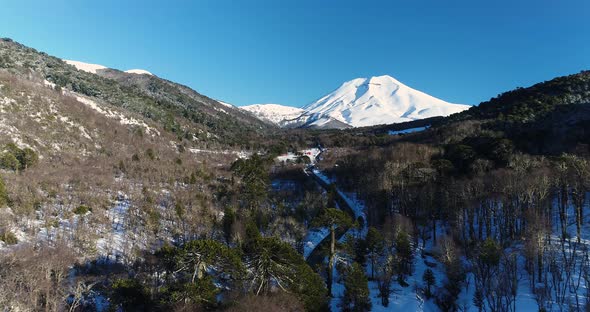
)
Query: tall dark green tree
[
  {"x": 332, "y": 218},
  {"x": 255, "y": 180},
  {"x": 356, "y": 290},
  {"x": 374, "y": 243},
  {"x": 404, "y": 255},
  {"x": 130, "y": 295},
  {"x": 229, "y": 218},
  {"x": 429, "y": 279}
]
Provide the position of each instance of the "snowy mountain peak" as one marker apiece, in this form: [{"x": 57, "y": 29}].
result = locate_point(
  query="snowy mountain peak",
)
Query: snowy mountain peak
[{"x": 378, "y": 100}]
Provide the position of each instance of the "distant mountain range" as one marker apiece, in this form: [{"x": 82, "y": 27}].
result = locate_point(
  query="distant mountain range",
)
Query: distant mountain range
[
  {"x": 274, "y": 113},
  {"x": 358, "y": 103}
]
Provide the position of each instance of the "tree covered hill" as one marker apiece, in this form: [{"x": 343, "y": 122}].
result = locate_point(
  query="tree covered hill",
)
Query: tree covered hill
[
  {"x": 548, "y": 118},
  {"x": 534, "y": 102},
  {"x": 178, "y": 108}
]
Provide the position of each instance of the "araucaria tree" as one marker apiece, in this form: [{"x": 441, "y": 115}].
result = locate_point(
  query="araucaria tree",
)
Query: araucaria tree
[
  {"x": 254, "y": 175},
  {"x": 333, "y": 218},
  {"x": 274, "y": 263}
]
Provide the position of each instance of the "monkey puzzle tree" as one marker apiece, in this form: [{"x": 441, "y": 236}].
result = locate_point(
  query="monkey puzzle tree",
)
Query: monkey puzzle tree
[
  {"x": 332, "y": 218},
  {"x": 271, "y": 262}
]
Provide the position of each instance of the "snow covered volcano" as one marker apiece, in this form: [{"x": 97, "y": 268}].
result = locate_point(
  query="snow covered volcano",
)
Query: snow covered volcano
[
  {"x": 358, "y": 103},
  {"x": 378, "y": 100}
]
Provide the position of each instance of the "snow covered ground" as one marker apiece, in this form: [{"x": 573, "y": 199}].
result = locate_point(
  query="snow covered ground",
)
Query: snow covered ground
[
  {"x": 114, "y": 243},
  {"x": 239, "y": 154},
  {"x": 313, "y": 238},
  {"x": 311, "y": 153},
  {"x": 411, "y": 298},
  {"x": 122, "y": 118},
  {"x": 409, "y": 130}
]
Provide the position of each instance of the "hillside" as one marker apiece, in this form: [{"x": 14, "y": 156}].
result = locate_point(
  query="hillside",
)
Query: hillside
[
  {"x": 85, "y": 181},
  {"x": 550, "y": 117},
  {"x": 178, "y": 108},
  {"x": 85, "y": 152}
]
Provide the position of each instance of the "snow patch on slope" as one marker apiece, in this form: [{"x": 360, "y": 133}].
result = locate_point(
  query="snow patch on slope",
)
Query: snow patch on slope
[
  {"x": 87, "y": 67},
  {"x": 139, "y": 72},
  {"x": 122, "y": 118},
  {"x": 94, "y": 68},
  {"x": 225, "y": 104}
]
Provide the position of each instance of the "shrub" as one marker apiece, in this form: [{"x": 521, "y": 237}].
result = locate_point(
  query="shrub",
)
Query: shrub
[
  {"x": 14, "y": 158},
  {"x": 9, "y": 238},
  {"x": 82, "y": 209},
  {"x": 9, "y": 161},
  {"x": 150, "y": 154},
  {"x": 3, "y": 193},
  {"x": 29, "y": 158},
  {"x": 130, "y": 295}
]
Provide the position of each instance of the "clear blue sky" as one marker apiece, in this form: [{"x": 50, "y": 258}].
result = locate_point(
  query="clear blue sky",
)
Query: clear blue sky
[{"x": 294, "y": 51}]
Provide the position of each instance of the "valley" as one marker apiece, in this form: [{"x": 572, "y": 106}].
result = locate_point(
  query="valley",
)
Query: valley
[{"x": 124, "y": 191}]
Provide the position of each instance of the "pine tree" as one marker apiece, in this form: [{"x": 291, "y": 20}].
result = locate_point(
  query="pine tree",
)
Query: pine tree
[
  {"x": 404, "y": 256},
  {"x": 229, "y": 217},
  {"x": 332, "y": 218},
  {"x": 129, "y": 295},
  {"x": 374, "y": 243},
  {"x": 311, "y": 289},
  {"x": 429, "y": 279},
  {"x": 356, "y": 290}
]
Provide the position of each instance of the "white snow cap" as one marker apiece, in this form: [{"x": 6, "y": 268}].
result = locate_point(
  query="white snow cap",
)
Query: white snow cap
[
  {"x": 379, "y": 100},
  {"x": 87, "y": 67},
  {"x": 93, "y": 68},
  {"x": 139, "y": 72}
]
